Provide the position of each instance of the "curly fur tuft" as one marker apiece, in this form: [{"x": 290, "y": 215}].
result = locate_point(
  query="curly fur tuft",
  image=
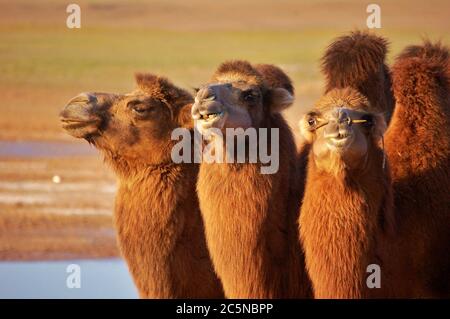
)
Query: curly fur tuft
[
  {"x": 358, "y": 61},
  {"x": 275, "y": 77}
]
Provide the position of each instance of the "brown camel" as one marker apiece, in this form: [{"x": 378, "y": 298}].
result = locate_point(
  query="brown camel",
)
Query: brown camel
[
  {"x": 412, "y": 241},
  {"x": 250, "y": 217},
  {"x": 418, "y": 148},
  {"x": 347, "y": 201},
  {"x": 157, "y": 217},
  {"x": 358, "y": 61},
  {"x": 347, "y": 207}
]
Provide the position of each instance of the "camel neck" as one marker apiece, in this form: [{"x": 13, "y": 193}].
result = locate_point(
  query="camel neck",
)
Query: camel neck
[
  {"x": 341, "y": 215},
  {"x": 160, "y": 230},
  {"x": 250, "y": 228}
]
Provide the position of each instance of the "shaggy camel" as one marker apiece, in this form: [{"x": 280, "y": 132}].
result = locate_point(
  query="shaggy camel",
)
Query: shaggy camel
[
  {"x": 358, "y": 61},
  {"x": 250, "y": 217},
  {"x": 412, "y": 247},
  {"x": 157, "y": 217},
  {"x": 347, "y": 202},
  {"x": 347, "y": 206},
  {"x": 418, "y": 148}
]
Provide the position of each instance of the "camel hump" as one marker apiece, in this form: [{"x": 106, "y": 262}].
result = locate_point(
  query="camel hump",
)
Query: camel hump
[
  {"x": 353, "y": 59},
  {"x": 357, "y": 60},
  {"x": 421, "y": 75},
  {"x": 275, "y": 77}
]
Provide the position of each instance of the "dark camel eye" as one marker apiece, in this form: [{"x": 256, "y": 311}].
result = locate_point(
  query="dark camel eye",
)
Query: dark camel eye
[
  {"x": 312, "y": 121},
  {"x": 248, "y": 96},
  {"x": 140, "y": 109}
]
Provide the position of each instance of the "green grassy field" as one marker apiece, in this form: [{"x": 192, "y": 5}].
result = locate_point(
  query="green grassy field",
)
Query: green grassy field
[{"x": 43, "y": 63}]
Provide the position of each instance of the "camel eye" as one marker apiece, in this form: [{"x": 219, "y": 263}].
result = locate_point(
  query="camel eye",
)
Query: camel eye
[
  {"x": 248, "y": 96},
  {"x": 140, "y": 109},
  {"x": 312, "y": 121}
]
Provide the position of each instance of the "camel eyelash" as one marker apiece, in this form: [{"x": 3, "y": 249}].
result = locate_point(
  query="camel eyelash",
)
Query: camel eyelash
[{"x": 133, "y": 103}]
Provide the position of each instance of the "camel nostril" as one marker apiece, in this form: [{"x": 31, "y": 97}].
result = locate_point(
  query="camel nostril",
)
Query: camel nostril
[
  {"x": 83, "y": 98},
  {"x": 80, "y": 108},
  {"x": 206, "y": 94},
  {"x": 343, "y": 117},
  {"x": 209, "y": 95}
]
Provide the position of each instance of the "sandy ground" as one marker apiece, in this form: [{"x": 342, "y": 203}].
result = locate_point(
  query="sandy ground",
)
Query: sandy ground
[
  {"x": 44, "y": 64},
  {"x": 41, "y": 219}
]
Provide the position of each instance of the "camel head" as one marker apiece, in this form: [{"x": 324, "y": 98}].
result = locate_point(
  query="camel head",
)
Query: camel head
[
  {"x": 240, "y": 95},
  {"x": 342, "y": 129},
  {"x": 136, "y": 126}
]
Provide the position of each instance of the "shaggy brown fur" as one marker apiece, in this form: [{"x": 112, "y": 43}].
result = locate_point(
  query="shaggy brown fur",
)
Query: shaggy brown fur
[
  {"x": 416, "y": 257},
  {"x": 157, "y": 216},
  {"x": 418, "y": 148},
  {"x": 358, "y": 61},
  {"x": 275, "y": 77},
  {"x": 344, "y": 213},
  {"x": 250, "y": 217}
]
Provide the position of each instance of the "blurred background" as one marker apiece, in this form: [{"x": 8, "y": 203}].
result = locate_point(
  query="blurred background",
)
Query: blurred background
[{"x": 56, "y": 195}]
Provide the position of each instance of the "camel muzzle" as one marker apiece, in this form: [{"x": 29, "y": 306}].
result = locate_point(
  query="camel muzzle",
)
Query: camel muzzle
[
  {"x": 78, "y": 117},
  {"x": 206, "y": 106}
]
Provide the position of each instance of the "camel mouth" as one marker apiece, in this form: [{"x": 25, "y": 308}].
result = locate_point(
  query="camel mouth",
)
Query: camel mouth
[
  {"x": 69, "y": 124},
  {"x": 80, "y": 128},
  {"x": 78, "y": 117},
  {"x": 208, "y": 119},
  {"x": 340, "y": 142},
  {"x": 211, "y": 116}
]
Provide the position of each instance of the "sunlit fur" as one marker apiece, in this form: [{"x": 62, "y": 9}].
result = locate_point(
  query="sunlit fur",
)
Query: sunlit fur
[
  {"x": 357, "y": 60},
  {"x": 414, "y": 250},
  {"x": 157, "y": 217},
  {"x": 347, "y": 211},
  {"x": 346, "y": 205},
  {"x": 418, "y": 148},
  {"x": 250, "y": 218}
]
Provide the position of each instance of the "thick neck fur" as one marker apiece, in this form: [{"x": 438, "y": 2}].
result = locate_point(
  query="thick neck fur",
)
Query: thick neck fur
[
  {"x": 250, "y": 225},
  {"x": 418, "y": 148},
  {"x": 160, "y": 231},
  {"x": 342, "y": 217}
]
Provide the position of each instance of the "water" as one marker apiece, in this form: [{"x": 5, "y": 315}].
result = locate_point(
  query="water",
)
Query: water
[
  {"x": 104, "y": 278},
  {"x": 44, "y": 149}
]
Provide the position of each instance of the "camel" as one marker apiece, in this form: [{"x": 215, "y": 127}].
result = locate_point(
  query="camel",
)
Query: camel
[
  {"x": 157, "y": 217},
  {"x": 418, "y": 149},
  {"x": 358, "y": 61},
  {"x": 409, "y": 236},
  {"x": 347, "y": 205},
  {"x": 348, "y": 201},
  {"x": 250, "y": 217}
]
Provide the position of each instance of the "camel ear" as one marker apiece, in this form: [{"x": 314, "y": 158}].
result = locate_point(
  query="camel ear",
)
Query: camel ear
[
  {"x": 279, "y": 99},
  {"x": 161, "y": 87},
  {"x": 185, "y": 118},
  {"x": 305, "y": 131}
]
